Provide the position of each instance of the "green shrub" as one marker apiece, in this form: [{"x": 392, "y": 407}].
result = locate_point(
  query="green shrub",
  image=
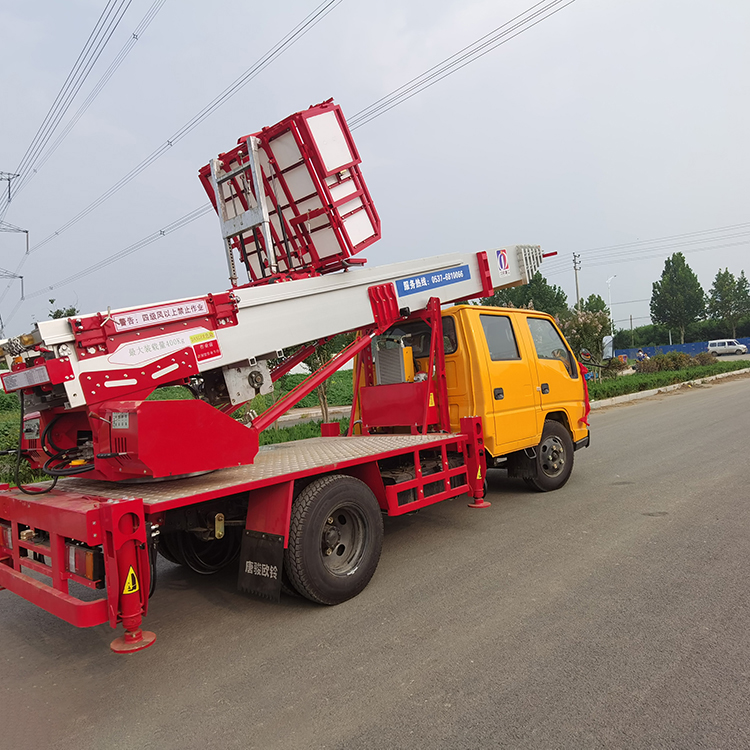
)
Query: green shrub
[
  {"x": 704, "y": 358},
  {"x": 9, "y": 401},
  {"x": 646, "y": 381},
  {"x": 679, "y": 360}
]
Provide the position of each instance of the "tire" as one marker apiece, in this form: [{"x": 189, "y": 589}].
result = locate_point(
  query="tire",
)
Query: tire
[
  {"x": 554, "y": 458},
  {"x": 286, "y": 584},
  {"x": 739, "y": 351},
  {"x": 335, "y": 539},
  {"x": 167, "y": 551},
  {"x": 202, "y": 557}
]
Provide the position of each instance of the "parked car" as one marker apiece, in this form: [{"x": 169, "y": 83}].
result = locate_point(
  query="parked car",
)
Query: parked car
[{"x": 726, "y": 346}]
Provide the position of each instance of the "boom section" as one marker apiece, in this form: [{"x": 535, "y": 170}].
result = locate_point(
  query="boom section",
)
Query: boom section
[{"x": 128, "y": 352}]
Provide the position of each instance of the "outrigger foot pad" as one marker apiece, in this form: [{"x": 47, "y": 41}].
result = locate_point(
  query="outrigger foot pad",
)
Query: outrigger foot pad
[
  {"x": 479, "y": 503},
  {"x": 132, "y": 641}
]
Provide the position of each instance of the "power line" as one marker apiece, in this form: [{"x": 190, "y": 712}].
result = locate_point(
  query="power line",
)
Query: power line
[
  {"x": 134, "y": 38},
  {"x": 631, "y": 301},
  {"x": 302, "y": 28},
  {"x": 655, "y": 253},
  {"x": 97, "y": 41},
  {"x": 469, "y": 54},
  {"x": 448, "y": 66},
  {"x": 295, "y": 35},
  {"x": 140, "y": 244},
  {"x": 660, "y": 244}
]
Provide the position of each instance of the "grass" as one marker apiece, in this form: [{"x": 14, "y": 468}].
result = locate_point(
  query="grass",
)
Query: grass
[{"x": 297, "y": 432}]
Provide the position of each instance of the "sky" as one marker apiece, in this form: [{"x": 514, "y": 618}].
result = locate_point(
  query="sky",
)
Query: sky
[{"x": 603, "y": 129}]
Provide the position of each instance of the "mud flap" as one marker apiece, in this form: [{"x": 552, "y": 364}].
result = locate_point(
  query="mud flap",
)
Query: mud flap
[{"x": 261, "y": 561}]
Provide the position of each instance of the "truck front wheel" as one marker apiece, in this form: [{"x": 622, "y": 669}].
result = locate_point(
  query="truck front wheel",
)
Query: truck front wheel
[
  {"x": 554, "y": 458},
  {"x": 335, "y": 539}
]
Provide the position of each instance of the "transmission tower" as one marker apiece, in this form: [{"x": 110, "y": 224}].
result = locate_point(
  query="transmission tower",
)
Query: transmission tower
[{"x": 9, "y": 176}]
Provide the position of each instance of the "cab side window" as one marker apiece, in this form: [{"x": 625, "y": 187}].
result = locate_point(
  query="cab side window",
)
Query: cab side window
[
  {"x": 500, "y": 339},
  {"x": 549, "y": 344},
  {"x": 450, "y": 340}
]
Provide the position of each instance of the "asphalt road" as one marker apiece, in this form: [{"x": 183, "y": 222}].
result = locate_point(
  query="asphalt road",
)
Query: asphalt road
[{"x": 613, "y": 613}]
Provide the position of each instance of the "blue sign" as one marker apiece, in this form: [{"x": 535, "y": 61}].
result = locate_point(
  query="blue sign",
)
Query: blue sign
[{"x": 432, "y": 280}]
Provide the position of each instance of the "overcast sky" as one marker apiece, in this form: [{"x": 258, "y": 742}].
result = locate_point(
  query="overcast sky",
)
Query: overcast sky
[{"x": 612, "y": 122}]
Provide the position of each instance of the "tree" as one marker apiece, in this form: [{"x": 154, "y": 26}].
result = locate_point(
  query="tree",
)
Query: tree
[
  {"x": 62, "y": 312},
  {"x": 321, "y": 356},
  {"x": 585, "y": 329},
  {"x": 595, "y": 303},
  {"x": 729, "y": 298},
  {"x": 677, "y": 300},
  {"x": 537, "y": 295}
]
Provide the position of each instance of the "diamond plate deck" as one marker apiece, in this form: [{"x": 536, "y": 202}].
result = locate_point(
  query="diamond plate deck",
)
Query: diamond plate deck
[{"x": 287, "y": 460}]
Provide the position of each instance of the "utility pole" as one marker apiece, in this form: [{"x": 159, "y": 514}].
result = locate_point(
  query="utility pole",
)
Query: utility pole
[
  {"x": 577, "y": 268},
  {"x": 8, "y": 176},
  {"x": 632, "y": 337},
  {"x": 609, "y": 301}
]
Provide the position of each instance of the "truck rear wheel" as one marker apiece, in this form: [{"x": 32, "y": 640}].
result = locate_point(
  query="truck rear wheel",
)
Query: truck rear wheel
[
  {"x": 204, "y": 557},
  {"x": 335, "y": 539},
  {"x": 554, "y": 458}
]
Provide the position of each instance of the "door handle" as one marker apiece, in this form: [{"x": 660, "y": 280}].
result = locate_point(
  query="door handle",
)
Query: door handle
[
  {"x": 545, "y": 387},
  {"x": 499, "y": 394}
]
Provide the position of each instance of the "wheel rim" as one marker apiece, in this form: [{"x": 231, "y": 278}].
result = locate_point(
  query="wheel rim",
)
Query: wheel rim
[
  {"x": 343, "y": 540},
  {"x": 552, "y": 456}
]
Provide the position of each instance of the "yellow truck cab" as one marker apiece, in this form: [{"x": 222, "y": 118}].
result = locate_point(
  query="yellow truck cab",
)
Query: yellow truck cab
[{"x": 515, "y": 369}]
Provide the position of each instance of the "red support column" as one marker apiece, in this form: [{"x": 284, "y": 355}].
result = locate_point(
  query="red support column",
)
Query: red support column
[
  {"x": 128, "y": 573},
  {"x": 476, "y": 464}
]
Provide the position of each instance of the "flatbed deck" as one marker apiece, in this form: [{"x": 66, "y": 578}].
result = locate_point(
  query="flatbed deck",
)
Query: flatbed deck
[{"x": 288, "y": 460}]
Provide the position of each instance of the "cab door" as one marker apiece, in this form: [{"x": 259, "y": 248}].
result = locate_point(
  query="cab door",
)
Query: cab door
[
  {"x": 510, "y": 397},
  {"x": 559, "y": 377}
]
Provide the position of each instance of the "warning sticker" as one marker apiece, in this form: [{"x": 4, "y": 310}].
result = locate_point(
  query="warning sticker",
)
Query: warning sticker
[
  {"x": 141, "y": 352},
  {"x": 205, "y": 346},
  {"x": 479, "y": 473},
  {"x": 134, "y": 353},
  {"x": 131, "y": 582},
  {"x": 149, "y": 316}
]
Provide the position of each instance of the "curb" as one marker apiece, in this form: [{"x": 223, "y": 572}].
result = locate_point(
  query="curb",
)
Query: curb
[
  {"x": 600, "y": 404},
  {"x": 299, "y": 416}
]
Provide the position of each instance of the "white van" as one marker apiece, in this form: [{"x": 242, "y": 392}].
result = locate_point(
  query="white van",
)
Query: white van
[{"x": 726, "y": 346}]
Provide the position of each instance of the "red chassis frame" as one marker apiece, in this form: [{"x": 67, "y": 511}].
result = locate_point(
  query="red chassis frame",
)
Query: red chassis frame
[{"x": 122, "y": 527}]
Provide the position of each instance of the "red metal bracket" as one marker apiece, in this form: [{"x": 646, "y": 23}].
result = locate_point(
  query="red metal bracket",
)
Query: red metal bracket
[
  {"x": 484, "y": 274},
  {"x": 270, "y": 415},
  {"x": 384, "y": 305},
  {"x": 223, "y": 307},
  {"x": 138, "y": 382}
]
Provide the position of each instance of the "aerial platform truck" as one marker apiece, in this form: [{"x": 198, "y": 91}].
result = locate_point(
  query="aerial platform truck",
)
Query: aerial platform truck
[{"x": 133, "y": 477}]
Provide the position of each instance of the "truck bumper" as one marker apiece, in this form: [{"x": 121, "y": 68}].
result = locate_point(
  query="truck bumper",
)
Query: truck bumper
[
  {"x": 582, "y": 443},
  {"x": 40, "y": 536}
]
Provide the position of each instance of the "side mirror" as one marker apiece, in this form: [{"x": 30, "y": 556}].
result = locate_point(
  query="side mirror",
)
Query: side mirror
[{"x": 585, "y": 355}]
